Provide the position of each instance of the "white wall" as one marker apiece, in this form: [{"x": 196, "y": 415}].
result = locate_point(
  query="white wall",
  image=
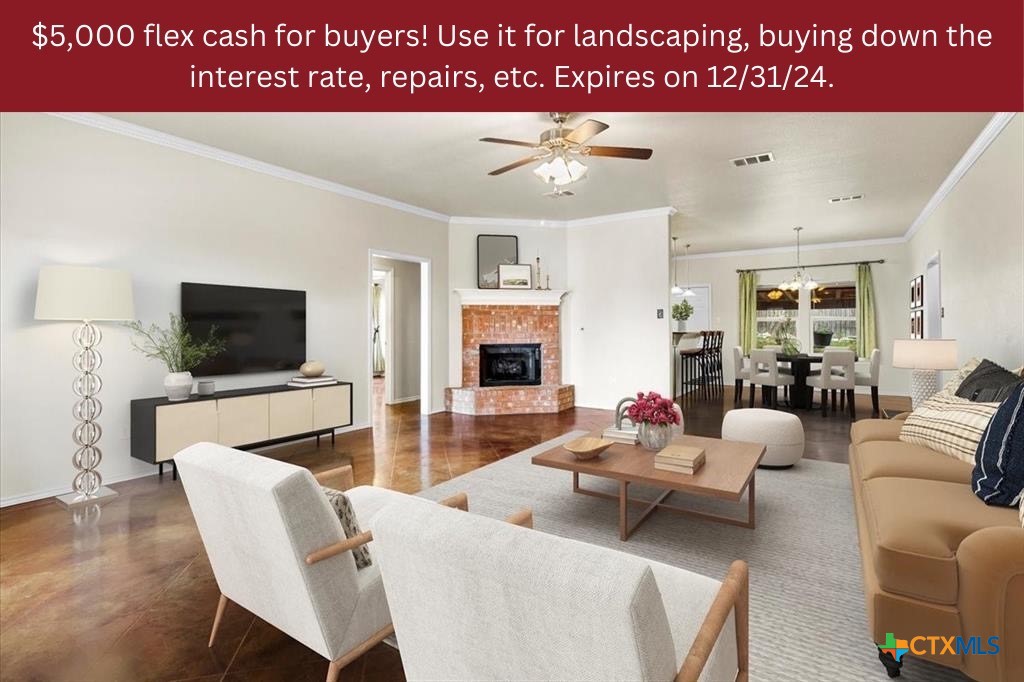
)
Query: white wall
[
  {"x": 618, "y": 277},
  {"x": 548, "y": 242},
  {"x": 73, "y": 194},
  {"x": 404, "y": 332},
  {"x": 978, "y": 231},
  {"x": 890, "y": 278}
]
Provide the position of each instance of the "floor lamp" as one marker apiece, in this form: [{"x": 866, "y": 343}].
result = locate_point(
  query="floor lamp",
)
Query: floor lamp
[
  {"x": 926, "y": 357},
  {"x": 86, "y": 295}
]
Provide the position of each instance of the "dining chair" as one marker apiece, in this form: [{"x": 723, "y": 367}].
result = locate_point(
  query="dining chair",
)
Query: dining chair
[
  {"x": 741, "y": 370},
  {"x": 870, "y": 378},
  {"x": 764, "y": 371},
  {"x": 837, "y": 374}
]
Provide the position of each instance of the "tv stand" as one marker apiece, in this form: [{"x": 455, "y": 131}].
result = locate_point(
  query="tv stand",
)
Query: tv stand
[{"x": 246, "y": 419}]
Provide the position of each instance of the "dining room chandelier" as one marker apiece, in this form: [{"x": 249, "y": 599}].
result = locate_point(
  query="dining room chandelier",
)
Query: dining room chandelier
[{"x": 801, "y": 279}]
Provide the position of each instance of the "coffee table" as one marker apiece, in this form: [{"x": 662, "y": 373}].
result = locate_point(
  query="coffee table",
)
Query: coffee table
[{"x": 728, "y": 472}]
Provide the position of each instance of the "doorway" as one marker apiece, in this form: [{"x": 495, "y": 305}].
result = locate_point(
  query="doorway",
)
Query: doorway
[
  {"x": 399, "y": 334},
  {"x": 933, "y": 299}
]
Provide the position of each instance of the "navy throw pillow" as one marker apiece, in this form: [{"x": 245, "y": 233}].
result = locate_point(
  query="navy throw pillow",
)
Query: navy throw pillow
[{"x": 998, "y": 477}]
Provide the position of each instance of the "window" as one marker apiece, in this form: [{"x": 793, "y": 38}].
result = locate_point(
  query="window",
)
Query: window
[
  {"x": 807, "y": 321},
  {"x": 834, "y": 316},
  {"x": 777, "y": 311}
]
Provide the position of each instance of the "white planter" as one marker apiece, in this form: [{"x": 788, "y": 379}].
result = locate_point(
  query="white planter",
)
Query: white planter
[
  {"x": 679, "y": 325},
  {"x": 178, "y": 386}
]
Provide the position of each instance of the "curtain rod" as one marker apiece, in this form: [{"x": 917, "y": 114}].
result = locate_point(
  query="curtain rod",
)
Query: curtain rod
[{"x": 819, "y": 265}]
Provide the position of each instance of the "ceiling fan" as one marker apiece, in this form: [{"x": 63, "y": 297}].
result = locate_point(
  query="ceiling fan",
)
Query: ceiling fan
[{"x": 559, "y": 149}]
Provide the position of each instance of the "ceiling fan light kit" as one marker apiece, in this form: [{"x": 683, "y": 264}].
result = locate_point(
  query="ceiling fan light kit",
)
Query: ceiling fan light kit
[{"x": 559, "y": 150}]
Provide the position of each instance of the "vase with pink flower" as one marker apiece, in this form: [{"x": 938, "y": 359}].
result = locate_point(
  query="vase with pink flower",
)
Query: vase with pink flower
[{"x": 654, "y": 417}]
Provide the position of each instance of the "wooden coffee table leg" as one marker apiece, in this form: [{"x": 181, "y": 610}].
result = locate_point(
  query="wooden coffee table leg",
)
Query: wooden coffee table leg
[
  {"x": 751, "y": 513},
  {"x": 623, "y": 510}
]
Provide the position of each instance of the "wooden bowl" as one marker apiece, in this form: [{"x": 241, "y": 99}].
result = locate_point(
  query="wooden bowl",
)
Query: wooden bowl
[{"x": 588, "y": 448}]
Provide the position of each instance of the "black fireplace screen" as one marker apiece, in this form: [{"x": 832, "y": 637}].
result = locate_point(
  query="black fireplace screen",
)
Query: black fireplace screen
[{"x": 503, "y": 364}]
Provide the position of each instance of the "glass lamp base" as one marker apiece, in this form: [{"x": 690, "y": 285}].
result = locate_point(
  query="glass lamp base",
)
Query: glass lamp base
[{"x": 104, "y": 494}]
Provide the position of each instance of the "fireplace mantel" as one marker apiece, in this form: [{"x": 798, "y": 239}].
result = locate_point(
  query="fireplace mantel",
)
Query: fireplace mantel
[{"x": 511, "y": 296}]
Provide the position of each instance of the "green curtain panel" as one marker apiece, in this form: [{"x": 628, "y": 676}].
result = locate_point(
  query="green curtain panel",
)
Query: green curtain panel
[
  {"x": 866, "y": 335},
  {"x": 378, "y": 347},
  {"x": 748, "y": 310}
]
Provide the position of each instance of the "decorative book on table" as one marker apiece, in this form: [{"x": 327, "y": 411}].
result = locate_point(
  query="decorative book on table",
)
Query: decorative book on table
[
  {"x": 625, "y": 435},
  {"x": 683, "y": 459},
  {"x": 307, "y": 382}
]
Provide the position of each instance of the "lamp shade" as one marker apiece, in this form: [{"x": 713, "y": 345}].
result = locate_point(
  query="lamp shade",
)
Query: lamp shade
[
  {"x": 924, "y": 353},
  {"x": 74, "y": 292}
]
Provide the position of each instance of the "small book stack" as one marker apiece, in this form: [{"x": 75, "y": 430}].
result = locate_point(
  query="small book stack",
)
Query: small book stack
[
  {"x": 682, "y": 459},
  {"x": 310, "y": 382},
  {"x": 625, "y": 435}
]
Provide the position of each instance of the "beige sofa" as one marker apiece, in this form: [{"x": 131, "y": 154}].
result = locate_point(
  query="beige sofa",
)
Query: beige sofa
[{"x": 937, "y": 561}]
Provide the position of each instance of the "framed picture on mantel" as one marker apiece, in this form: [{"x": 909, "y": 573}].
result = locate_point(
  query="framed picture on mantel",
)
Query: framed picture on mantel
[
  {"x": 515, "y": 276},
  {"x": 493, "y": 250}
]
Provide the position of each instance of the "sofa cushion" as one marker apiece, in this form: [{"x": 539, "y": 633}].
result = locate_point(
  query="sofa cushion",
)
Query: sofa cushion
[
  {"x": 948, "y": 424},
  {"x": 915, "y": 527},
  {"x": 999, "y": 467},
  {"x": 894, "y": 459},
  {"x": 988, "y": 383},
  {"x": 875, "y": 429}
]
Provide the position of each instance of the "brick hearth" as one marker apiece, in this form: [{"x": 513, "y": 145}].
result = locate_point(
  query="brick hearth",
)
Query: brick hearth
[{"x": 507, "y": 324}]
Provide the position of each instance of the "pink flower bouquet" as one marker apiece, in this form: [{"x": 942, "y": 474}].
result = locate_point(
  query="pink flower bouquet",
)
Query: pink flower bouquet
[{"x": 653, "y": 409}]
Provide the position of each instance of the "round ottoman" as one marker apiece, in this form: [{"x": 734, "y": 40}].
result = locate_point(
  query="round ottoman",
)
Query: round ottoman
[{"x": 781, "y": 432}]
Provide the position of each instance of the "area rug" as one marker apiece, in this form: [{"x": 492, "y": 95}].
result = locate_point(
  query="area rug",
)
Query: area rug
[{"x": 807, "y": 618}]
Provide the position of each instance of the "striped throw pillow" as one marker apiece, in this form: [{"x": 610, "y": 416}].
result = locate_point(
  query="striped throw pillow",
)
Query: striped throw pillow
[
  {"x": 948, "y": 424},
  {"x": 999, "y": 467}
]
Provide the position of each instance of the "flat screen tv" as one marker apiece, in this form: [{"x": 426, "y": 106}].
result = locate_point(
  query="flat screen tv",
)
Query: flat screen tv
[{"x": 264, "y": 329}]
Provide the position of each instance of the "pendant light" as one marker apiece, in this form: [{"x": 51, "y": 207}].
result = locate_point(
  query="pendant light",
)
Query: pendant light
[
  {"x": 688, "y": 292},
  {"x": 676, "y": 289},
  {"x": 801, "y": 279}
]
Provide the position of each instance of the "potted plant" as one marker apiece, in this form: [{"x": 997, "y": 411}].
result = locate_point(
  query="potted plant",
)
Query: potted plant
[
  {"x": 654, "y": 417},
  {"x": 822, "y": 335},
  {"x": 175, "y": 347},
  {"x": 681, "y": 312}
]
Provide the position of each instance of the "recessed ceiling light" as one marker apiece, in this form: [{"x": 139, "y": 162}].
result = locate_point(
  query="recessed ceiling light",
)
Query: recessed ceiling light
[
  {"x": 753, "y": 159},
  {"x": 849, "y": 197}
]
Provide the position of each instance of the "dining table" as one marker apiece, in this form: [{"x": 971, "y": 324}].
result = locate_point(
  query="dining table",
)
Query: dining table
[{"x": 801, "y": 396}]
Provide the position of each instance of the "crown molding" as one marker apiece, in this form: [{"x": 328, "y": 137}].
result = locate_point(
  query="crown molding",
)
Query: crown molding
[
  {"x": 859, "y": 244},
  {"x": 137, "y": 132},
  {"x": 505, "y": 222},
  {"x": 666, "y": 211},
  {"x": 986, "y": 137}
]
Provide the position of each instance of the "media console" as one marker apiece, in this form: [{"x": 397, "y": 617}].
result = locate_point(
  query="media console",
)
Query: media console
[{"x": 244, "y": 418}]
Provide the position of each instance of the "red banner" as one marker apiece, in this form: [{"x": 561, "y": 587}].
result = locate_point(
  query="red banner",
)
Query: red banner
[{"x": 801, "y": 55}]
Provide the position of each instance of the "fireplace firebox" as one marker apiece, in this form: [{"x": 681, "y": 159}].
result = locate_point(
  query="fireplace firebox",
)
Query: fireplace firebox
[{"x": 504, "y": 364}]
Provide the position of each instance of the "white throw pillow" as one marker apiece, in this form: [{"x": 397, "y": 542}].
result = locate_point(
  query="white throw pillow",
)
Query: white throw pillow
[{"x": 948, "y": 424}]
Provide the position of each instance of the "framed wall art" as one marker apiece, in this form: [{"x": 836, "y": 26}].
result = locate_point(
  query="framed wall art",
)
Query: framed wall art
[
  {"x": 917, "y": 292},
  {"x": 515, "y": 276}
]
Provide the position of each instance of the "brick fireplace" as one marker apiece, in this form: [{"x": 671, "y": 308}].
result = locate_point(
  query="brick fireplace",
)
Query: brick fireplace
[{"x": 510, "y": 325}]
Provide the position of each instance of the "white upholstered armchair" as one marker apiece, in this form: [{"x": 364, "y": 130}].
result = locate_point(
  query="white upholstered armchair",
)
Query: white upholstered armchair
[
  {"x": 476, "y": 599},
  {"x": 278, "y": 549}
]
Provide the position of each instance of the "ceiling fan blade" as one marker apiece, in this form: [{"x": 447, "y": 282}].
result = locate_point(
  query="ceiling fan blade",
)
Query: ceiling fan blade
[
  {"x": 585, "y": 131},
  {"x": 621, "y": 152},
  {"x": 498, "y": 140},
  {"x": 516, "y": 164}
]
